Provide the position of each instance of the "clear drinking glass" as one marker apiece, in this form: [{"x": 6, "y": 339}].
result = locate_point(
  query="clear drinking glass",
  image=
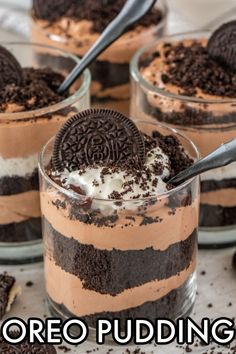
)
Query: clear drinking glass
[
  {"x": 22, "y": 136},
  {"x": 208, "y": 123},
  {"x": 120, "y": 258},
  {"x": 110, "y": 72}
]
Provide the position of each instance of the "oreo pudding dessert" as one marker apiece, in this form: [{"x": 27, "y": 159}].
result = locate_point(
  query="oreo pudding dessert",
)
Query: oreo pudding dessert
[
  {"x": 120, "y": 241},
  {"x": 189, "y": 82},
  {"x": 31, "y": 111},
  {"x": 76, "y": 25}
]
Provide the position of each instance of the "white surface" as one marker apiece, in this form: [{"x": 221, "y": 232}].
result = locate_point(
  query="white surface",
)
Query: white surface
[{"x": 216, "y": 287}]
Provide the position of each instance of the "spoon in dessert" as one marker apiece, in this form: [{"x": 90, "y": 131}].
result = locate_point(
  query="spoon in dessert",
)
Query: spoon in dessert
[
  {"x": 220, "y": 157},
  {"x": 132, "y": 11}
]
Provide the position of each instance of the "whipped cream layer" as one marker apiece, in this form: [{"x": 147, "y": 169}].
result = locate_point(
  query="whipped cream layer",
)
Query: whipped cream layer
[
  {"x": 118, "y": 183},
  {"x": 18, "y": 166},
  {"x": 225, "y": 172}
]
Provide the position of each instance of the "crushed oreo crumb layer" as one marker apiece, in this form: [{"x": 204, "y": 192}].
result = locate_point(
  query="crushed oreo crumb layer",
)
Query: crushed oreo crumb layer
[
  {"x": 37, "y": 90},
  {"x": 190, "y": 68},
  {"x": 172, "y": 147},
  {"x": 99, "y": 12}
]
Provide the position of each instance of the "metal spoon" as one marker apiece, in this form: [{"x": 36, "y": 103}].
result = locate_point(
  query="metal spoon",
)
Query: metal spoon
[
  {"x": 222, "y": 156},
  {"x": 132, "y": 11}
]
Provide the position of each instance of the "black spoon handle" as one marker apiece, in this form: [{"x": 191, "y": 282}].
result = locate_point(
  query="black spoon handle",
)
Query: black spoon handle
[
  {"x": 222, "y": 156},
  {"x": 132, "y": 11}
]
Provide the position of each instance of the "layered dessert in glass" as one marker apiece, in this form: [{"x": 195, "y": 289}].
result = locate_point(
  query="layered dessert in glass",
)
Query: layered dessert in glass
[
  {"x": 179, "y": 82},
  {"x": 75, "y": 26},
  {"x": 120, "y": 241},
  {"x": 31, "y": 111}
]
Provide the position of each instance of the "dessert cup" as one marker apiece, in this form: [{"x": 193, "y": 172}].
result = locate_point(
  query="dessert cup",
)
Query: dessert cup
[
  {"x": 110, "y": 72},
  {"x": 209, "y": 122},
  {"x": 127, "y": 258},
  {"x": 22, "y": 135}
]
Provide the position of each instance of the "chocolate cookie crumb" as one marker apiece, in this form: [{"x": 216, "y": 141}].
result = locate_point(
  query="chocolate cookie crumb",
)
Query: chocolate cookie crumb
[
  {"x": 91, "y": 10},
  {"x": 38, "y": 90},
  {"x": 29, "y": 284}
]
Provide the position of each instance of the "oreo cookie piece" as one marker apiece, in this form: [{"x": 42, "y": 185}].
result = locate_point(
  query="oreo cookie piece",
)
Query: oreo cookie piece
[
  {"x": 24, "y": 347},
  {"x": 6, "y": 284},
  {"x": 222, "y": 45},
  {"x": 97, "y": 136},
  {"x": 51, "y": 9},
  {"x": 10, "y": 69}
]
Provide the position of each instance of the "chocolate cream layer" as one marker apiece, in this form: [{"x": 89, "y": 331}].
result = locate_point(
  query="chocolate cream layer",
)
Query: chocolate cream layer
[
  {"x": 208, "y": 125},
  {"x": 168, "y": 306},
  {"x": 123, "y": 254}
]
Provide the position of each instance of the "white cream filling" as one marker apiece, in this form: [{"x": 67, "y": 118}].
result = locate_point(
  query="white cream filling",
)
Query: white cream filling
[
  {"x": 18, "y": 166},
  {"x": 226, "y": 172},
  {"x": 97, "y": 186}
]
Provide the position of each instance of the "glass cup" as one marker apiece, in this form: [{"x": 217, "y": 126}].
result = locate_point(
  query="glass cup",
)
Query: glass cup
[
  {"x": 110, "y": 72},
  {"x": 208, "y": 123},
  {"x": 22, "y": 135},
  {"x": 120, "y": 258}
]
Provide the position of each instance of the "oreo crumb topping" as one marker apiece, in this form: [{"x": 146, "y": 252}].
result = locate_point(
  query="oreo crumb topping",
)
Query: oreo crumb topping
[
  {"x": 164, "y": 157},
  {"x": 29, "y": 284},
  {"x": 172, "y": 147},
  {"x": 37, "y": 90},
  {"x": 147, "y": 177},
  {"x": 24, "y": 347},
  {"x": 99, "y": 12},
  {"x": 190, "y": 68}
]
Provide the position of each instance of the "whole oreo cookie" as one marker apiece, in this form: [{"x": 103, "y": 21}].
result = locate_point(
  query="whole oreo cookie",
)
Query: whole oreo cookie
[
  {"x": 51, "y": 9},
  {"x": 25, "y": 347},
  {"x": 10, "y": 69},
  {"x": 222, "y": 45},
  {"x": 97, "y": 135}
]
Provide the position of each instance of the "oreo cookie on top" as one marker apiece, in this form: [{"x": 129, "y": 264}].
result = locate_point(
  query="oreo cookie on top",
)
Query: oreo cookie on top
[
  {"x": 10, "y": 69},
  {"x": 98, "y": 136},
  {"x": 222, "y": 45},
  {"x": 101, "y": 154}
]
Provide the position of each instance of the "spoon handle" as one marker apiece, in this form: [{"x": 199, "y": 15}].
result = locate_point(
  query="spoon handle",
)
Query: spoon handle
[
  {"x": 132, "y": 11},
  {"x": 222, "y": 156}
]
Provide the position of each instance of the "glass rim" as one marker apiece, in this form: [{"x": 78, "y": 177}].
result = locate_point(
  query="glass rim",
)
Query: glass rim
[
  {"x": 58, "y": 37},
  {"x": 136, "y": 75},
  {"x": 86, "y": 81},
  {"x": 75, "y": 195}
]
